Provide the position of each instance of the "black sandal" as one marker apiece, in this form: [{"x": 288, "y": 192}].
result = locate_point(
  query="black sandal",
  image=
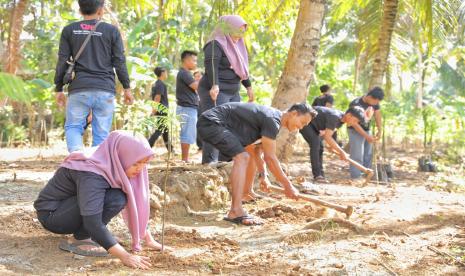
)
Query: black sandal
[{"x": 240, "y": 220}]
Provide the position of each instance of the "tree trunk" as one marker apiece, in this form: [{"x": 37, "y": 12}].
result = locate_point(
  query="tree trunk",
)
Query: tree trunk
[
  {"x": 384, "y": 42},
  {"x": 421, "y": 69},
  {"x": 300, "y": 65},
  {"x": 161, "y": 15},
  {"x": 14, "y": 47}
]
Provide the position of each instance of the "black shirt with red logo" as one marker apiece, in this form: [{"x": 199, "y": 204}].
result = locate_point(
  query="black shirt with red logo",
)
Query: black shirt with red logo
[{"x": 102, "y": 57}]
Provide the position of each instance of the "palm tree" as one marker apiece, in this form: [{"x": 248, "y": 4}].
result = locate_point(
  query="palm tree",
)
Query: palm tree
[
  {"x": 384, "y": 42},
  {"x": 300, "y": 65}
]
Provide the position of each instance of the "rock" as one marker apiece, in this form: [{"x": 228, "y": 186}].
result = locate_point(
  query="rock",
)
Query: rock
[
  {"x": 189, "y": 188},
  {"x": 216, "y": 270}
]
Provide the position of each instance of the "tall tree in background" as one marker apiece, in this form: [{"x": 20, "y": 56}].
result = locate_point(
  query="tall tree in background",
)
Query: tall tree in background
[
  {"x": 384, "y": 42},
  {"x": 300, "y": 65},
  {"x": 16, "y": 27},
  {"x": 14, "y": 46}
]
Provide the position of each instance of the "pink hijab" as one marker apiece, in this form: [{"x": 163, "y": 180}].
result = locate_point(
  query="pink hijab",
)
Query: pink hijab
[
  {"x": 236, "y": 52},
  {"x": 110, "y": 159}
]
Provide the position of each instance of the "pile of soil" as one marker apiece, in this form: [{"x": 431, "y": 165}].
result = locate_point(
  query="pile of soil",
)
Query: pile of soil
[
  {"x": 189, "y": 188},
  {"x": 285, "y": 213}
]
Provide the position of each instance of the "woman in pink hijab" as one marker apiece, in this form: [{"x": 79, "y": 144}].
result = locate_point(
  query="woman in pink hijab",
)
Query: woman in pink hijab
[
  {"x": 88, "y": 190},
  {"x": 226, "y": 67}
]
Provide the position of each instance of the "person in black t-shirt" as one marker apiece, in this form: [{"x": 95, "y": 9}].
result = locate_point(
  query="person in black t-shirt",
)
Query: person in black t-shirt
[
  {"x": 160, "y": 95},
  {"x": 188, "y": 102},
  {"x": 360, "y": 139},
  {"x": 93, "y": 87},
  {"x": 326, "y": 99},
  {"x": 323, "y": 127},
  {"x": 232, "y": 127}
]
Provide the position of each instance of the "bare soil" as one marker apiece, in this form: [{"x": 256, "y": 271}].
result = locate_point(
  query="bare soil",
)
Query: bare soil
[{"x": 395, "y": 228}]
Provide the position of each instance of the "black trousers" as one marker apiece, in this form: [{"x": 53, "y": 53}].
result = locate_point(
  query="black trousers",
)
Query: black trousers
[
  {"x": 315, "y": 141},
  {"x": 161, "y": 130},
  {"x": 209, "y": 153},
  {"x": 66, "y": 219}
]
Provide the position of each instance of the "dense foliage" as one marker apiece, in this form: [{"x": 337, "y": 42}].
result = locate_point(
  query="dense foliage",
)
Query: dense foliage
[{"x": 427, "y": 54}]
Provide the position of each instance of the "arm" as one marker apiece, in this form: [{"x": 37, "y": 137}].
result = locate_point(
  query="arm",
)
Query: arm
[
  {"x": 261, "y": 168},
  {"x": 248, "y": 85},
  {"x": 379, "y": 123},
  {"x": 269, "y": 150},
  {"x": 64, "y": 52},
  {"x": 212, "y": 62},
  {"x": 213, "y": 54},
  {"x": 100, "y": 234},
  {"x": 157, "y": 98},
  {"x": 118, "y": 60},
  {"x": 194, "y": 85},
  {"x": 328, "y": 137},
  {"x": 362, "y": 132}
]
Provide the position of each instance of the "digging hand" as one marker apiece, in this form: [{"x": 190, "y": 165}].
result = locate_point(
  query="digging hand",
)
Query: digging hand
[
  {"x": 291, "y": 192},
  {"x": 264, "y": 184},
  {"x": 135, "y": 261},
  {"x": 343, "y": 156}
]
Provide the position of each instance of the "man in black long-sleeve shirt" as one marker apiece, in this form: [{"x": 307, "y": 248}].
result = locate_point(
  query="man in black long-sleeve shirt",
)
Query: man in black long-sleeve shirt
[{"x": 93, "y": 87}]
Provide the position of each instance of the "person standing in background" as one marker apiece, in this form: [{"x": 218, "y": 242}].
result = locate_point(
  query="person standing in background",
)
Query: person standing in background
[
  {"x": 93, "y": 88},
  {"x": 360, "y": 139},
  {"x": 188, "y": 102},
  {"x": 160, "y": 96},
  {"x": 325, "y": 99},
  {"x": 226, "y": 67}
]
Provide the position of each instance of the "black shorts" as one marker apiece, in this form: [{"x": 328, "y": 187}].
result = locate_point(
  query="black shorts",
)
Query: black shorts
[{"x": 220, "y": 137}]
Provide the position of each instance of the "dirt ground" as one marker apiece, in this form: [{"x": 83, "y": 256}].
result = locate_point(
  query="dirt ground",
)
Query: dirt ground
[{"x": 413, "y": 226}]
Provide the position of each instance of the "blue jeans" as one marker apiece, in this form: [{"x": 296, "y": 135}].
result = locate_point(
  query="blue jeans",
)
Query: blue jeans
[
  {"x": 102, "y": 105},
  {"x": 188, "y": 120},
  {"x": 360, "y": 151}
]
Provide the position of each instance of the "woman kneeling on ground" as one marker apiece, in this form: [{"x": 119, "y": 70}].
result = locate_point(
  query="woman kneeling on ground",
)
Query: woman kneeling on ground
[{"x": 88, "y": 190}]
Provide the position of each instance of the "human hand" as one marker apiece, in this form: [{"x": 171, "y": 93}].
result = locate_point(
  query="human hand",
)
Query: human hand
[
  {"x": 136, "y": 261},
  {"x": 214, "y": 91},
  {"x": 60, "y": 98},
  {"x": 128, "y": 97},
  {"x": 291, "y": 192},
  {"x": 343, "y": 156},
  {"x": 264, "y": 184},
  {"x": 251, "y": 94}
]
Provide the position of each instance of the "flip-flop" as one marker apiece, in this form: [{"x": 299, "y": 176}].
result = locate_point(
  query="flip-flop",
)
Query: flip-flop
[
  {"x": 74, "y": 248},
  {"x": 240, "y": 220}
]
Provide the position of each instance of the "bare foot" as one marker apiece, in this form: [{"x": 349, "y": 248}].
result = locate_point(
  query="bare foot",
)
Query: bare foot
[
  {"x": 251, "y": 196},
  {"x": 156, "y": 246}
]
